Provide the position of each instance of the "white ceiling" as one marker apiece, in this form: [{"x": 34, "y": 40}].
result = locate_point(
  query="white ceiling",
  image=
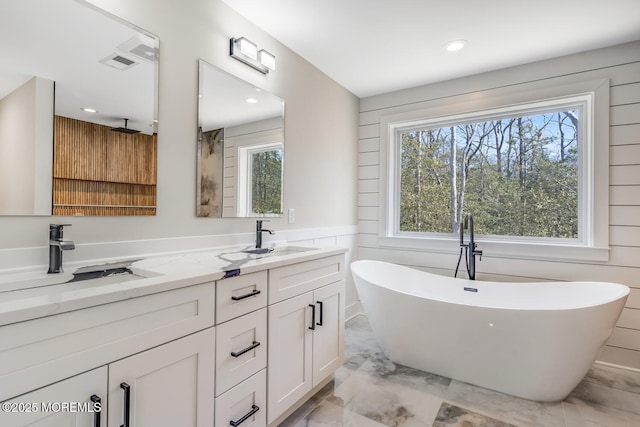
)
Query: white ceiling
[
  {"x": 64, "y": 41},
  {"x": 223, "y": 100},
  {"x": 376, "y": 46}
]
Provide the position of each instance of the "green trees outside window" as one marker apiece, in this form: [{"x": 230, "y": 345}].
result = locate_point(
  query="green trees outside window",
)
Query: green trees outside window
[
  {"x": 266, "y": 182},
  {"x": 517, "y": 175}
]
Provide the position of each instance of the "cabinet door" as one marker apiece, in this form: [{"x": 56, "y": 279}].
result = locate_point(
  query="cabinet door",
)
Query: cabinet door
[
  {"x": 43, "y": 407},
  {"x": 289, "y": 353},
  {"x": 328, "y": 337},
  {"x": 170, "y": 385}
]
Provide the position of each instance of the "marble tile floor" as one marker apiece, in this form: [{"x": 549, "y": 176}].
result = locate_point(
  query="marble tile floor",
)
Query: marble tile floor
[{"x": 371, "y": 391}]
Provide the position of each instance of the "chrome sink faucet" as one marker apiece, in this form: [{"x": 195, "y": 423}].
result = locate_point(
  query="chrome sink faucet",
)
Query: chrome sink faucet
[
  {"x": 57, "y": 246},
  {"x": 259, "y": 231}
]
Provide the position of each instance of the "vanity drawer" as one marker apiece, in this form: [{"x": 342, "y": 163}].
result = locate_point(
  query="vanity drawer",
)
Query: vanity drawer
[
  {"x": 245, "y": 404},
  {"x": 240, "y": 295},
  {"x": 45, "y": 350},
  {"x": 295, "y": 279},
  {"x": 241, "y": 349}
]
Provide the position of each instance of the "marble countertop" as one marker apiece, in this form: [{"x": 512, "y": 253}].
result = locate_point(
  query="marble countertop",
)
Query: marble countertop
[{"x": 29, "y": 295}]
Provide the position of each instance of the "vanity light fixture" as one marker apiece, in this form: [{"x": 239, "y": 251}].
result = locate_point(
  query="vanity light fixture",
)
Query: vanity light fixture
[{"x": 246, "y": 51}]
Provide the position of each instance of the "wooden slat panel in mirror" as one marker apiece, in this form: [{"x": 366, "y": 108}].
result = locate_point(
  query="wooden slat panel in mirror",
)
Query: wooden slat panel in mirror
[
  {"x": 101, "y": 172},
  {"x": 79, "y": 197},
  {"x": 84, "y": 150}
]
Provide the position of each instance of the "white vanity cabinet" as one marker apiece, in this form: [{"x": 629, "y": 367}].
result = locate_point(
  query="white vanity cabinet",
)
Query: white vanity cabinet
[
  {"x": 306, "y": 330},
  {"x": 161, "y": 345},
  {"x": 162, "y": 386},
  {"x": 43, "y": 407},
  {"x": 241, "y": 351},
  {"x": 157, "y": 387}
]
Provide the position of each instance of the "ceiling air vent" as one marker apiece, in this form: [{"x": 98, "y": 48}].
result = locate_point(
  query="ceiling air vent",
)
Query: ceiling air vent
[
  {"x": 118, "y": 61},
  {"x": 141, "y": 46}
]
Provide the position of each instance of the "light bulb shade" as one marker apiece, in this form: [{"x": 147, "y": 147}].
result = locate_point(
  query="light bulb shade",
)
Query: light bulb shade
[
  {"x": 246, "y": 51},
  {"x": 247, "y": 48},
  {"x": 267, "y": 59}
]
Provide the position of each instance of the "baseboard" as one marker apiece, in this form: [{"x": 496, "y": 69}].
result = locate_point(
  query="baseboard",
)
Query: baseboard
[
  {"x": 613, "y": 365},
  {"x": 353, "y": 310}
]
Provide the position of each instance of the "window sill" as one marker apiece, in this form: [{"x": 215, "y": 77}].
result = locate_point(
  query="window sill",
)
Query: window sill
[{"x": 543, "y": 251}]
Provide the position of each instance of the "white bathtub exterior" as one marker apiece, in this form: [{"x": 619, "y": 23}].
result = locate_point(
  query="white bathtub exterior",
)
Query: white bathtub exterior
[{"x": 531, "y": 340}]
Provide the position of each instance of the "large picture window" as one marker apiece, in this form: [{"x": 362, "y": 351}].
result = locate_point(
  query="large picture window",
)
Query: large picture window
[{"x": 521, "y": 171}]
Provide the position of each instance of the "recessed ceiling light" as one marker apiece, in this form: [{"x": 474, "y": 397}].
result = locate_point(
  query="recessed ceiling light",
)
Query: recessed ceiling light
[
  {"x": 455, "y": 45},
  {"x": 89, "y": 110},
  {"x": 251, "y": 100}
]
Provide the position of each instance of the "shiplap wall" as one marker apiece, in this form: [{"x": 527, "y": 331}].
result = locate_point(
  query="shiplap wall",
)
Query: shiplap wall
[{"x": 621, "y": 65}]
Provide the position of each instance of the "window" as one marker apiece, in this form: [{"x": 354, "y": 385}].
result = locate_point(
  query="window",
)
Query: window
[
  {"x": 261, "y": 179},
  {"x": 517, "y": 171},
  {"x": 524, "y": 166}
]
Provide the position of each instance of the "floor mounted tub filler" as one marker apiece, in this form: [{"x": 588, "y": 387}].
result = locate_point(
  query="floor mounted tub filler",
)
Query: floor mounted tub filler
[{"x": 531, "y": 340}]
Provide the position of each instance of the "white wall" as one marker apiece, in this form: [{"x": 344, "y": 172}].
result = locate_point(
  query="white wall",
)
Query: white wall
[
  {"x": 619, "y": 64},
  {"x": 26, "y": 148},
  {"x": 321, "y": 129}
]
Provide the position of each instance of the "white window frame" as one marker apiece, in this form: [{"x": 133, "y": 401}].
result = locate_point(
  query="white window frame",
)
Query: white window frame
[
  {"x": 245, "y": 171},
  {"x": 593, "y": 202}
]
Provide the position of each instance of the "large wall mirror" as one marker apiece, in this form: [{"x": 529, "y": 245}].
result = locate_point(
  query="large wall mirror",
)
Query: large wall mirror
[
  {"x": 78, "y": 110},
  {"x": 240, "y": 147}
]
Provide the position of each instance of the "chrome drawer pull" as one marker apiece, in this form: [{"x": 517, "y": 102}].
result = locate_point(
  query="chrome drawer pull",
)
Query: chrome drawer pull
[
  {"x": 254, "y": 409},
  {"x": 249, "y": 295},
  {"x": 241, "y": 352}
]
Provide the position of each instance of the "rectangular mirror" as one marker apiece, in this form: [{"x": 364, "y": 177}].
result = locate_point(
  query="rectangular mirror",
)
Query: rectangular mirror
[
  {"x": 90, "y": 149},
  {"x": 240, "y": 147}
]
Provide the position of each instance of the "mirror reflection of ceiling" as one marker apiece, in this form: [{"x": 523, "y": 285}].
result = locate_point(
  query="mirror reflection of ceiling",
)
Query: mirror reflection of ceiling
[
  {"x": 79, "y": 48},
  {"x": 223, "y": 101}
]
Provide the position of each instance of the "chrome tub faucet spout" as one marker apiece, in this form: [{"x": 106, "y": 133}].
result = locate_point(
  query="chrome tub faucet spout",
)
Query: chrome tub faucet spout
[{"x": 57, "y": 246}]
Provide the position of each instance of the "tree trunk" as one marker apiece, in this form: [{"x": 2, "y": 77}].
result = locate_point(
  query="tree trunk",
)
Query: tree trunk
[{"x": 454, "y": 196}]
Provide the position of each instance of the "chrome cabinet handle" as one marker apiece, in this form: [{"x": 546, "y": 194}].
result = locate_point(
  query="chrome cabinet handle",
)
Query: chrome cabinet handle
[
  {"x": 313, "y": 317},
  {"x": 127, "y": 403},
  {"x": 249, "y": 295},
  {"x": 254, "y": 409},
  {"x": 96, "y": 414},
  {"x": 241, "y": 352}
]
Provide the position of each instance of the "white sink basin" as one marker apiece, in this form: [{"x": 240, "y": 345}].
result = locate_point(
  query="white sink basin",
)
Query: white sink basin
[
  {"x": 14, "y": 282},
  {"x": 276, "y": 251},
  {"x": 94, "y": 275}
]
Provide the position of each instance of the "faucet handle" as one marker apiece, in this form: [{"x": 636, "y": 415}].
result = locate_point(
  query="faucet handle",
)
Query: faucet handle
[{"x": 55, "y": 231}]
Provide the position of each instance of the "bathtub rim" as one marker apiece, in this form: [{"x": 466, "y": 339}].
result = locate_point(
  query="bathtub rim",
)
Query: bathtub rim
[{"x": 623, "y": 293}]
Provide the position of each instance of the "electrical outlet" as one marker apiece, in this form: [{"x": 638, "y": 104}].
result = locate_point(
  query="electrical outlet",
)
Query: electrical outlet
[{"x": 292, "y": 216}]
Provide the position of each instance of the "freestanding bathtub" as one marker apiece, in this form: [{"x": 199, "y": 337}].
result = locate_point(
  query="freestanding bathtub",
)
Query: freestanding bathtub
[{"x": 531, "y": 340}]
